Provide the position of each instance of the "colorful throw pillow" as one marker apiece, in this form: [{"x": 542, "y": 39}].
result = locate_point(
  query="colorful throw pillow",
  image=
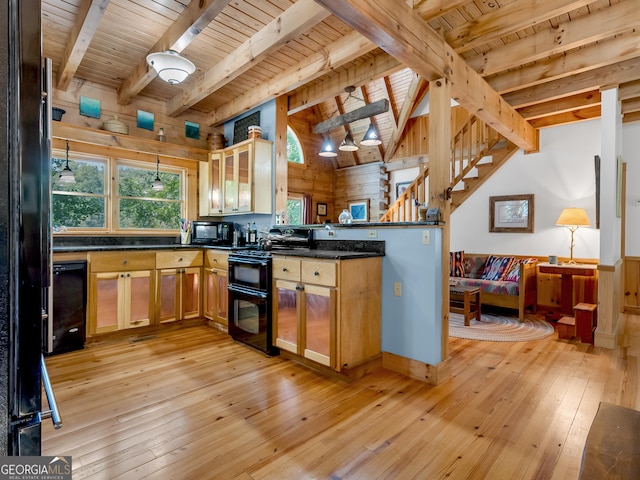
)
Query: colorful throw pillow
[
  {"x": 474, "y": 265},
  {"x": 513, "y": 274},
  {"x": 456, "y": 264},
  {"x": 495, "y": 267}
]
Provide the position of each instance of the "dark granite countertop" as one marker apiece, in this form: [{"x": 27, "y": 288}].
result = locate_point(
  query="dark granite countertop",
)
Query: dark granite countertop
[
  {"x": 328, "y": 254},
  {"x": 105, "y": 248}
]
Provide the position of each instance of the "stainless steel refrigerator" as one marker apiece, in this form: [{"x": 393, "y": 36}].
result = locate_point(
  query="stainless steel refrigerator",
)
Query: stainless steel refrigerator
[{"x": 24, "y": 226}]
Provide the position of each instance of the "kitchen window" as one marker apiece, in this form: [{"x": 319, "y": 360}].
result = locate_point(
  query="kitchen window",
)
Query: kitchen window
[
  {"x": 114, "y": 195},
  {"x": 140, "y": 207},
  {"x": 83, "y": 204}
]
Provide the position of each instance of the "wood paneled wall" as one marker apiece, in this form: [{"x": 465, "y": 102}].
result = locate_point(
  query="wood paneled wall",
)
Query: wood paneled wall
[
  {"x": 632, "y": 285},
  {"x": 363, "y": 182},
  {"x": 316, "y": 176}
]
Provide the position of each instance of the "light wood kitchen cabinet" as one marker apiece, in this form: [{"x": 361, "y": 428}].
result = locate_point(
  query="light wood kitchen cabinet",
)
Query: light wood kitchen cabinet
[
  {"x": 216, "y": 299},
  {"x": 237, "y": 179},
  {"x": 328, "y": 311},
  {"x": 178, "y": 277},
  {"x": 121, "y": 291}
]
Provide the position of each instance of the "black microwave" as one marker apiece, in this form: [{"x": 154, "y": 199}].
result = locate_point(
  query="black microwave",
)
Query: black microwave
[{"x": 212, "y": 233}]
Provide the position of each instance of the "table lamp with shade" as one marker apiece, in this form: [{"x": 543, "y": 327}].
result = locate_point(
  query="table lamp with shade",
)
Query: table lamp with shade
[{"x": 573, "y": 218}]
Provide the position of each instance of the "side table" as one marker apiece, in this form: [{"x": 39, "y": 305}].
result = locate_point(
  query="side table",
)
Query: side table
[
  {"x": 567, "y": 270},
  {"x": 465, "y": 300}
]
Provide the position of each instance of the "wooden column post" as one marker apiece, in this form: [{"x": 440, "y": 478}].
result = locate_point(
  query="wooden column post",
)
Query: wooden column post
[
  {"x": 281, "y": 164},
  {"x": 439, "y": 181}
]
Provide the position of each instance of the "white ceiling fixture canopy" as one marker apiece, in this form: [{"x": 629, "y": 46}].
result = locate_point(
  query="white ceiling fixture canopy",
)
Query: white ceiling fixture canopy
[{"x": 171, "y": 67}]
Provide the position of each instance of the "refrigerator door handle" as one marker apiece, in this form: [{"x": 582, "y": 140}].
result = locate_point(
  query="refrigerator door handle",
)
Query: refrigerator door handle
[{"x": 53, "y": 411}]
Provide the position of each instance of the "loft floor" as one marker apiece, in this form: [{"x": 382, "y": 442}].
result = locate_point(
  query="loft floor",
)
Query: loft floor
[{"x": 192, "y": 404}]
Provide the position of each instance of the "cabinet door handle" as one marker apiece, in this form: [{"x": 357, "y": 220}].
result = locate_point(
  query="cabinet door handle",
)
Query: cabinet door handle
[
  {"x": 128, "y": 275},
  {"x": 122, "y": 275},
  {"x": 124, "y": 262},
  {"x": 284, "y": 269},
  {"x": 317, "y": 274},
  {"x": 180, "y": 259},
  {"x": 215, "y": 260}
]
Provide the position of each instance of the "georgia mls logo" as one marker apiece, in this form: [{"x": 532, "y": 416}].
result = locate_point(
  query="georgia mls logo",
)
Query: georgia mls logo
[{"x": 35, "y": 468}]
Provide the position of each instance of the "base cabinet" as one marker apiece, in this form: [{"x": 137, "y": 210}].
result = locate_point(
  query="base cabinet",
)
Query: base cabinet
[
  {"x": 178, "y": 278},
  {"x": 120, "y": 299},
  {"x": 328, "y": 311},
  {"x": 216, "y": 295}
]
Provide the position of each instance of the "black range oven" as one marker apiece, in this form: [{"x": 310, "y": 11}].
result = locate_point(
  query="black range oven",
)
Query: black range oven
[{"x": 250, "y": 299}]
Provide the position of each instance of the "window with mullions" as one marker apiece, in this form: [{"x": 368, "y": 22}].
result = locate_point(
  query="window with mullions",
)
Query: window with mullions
[
  {"x": 141, "y": 208},
  {"x": 82, "y": 204}
]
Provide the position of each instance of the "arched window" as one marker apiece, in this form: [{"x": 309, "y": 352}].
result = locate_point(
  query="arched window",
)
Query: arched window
[{"x": 294, "y": 149}]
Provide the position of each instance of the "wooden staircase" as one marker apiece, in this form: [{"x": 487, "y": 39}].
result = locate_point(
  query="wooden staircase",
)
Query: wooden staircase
[{"x": 477, "y": 152}]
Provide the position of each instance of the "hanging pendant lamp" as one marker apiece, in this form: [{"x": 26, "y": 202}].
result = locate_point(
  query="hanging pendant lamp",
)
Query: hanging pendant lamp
[
  {"x": 66, "y": 175},
  {"x": 157, "y": 184},
  {"x": 170, "y": 66},
  {"x": 348, "y": 145},
  {"x": 328, "y": 150},
  {"x": 371, "y": 138}
]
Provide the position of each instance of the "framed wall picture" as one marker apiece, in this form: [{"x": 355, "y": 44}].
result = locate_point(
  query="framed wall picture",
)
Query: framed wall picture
[
  {"x": 321, "y": 209},
  {"x": 511, "y": 214},
  {"x": 359, "y": 210}
]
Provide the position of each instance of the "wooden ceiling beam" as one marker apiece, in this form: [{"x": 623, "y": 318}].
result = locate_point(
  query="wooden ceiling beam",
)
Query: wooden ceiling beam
[
  {"x": 583, "y": 30},
  {"x": 84, "y": 28},
  {"x": 629, "y": 106},
  {"x": 376, "y": 108},
  {"x": 388, "y": 92},
  {"x": 622, "y": 47},
  {"x": 294, "y": 21},
  {"x": 320, "y": 63},
  {"x": 399, "y": 31},
  {"x": 511, "y": 18},
  {"x": 429, "y": 9},
  {"x": 629, "y": 90},
  {"x": 615, "y": 74},
  {"x": 417, "y": 90},
  {"x": 380, "y": 66},
  {"x": 177, "y": 37},
  {"x": 561, "y": 105},
  {"x": 579, "y": 115}
]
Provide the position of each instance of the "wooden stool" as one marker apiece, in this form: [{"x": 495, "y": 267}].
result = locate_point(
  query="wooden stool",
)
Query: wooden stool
[
  {"x": 465, "y": 300},
  {"x": 566, "y": 328},
  {"x": 586, "y": 316}
]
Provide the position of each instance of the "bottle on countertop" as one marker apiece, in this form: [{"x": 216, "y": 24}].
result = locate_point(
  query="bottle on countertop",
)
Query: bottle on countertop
[
  {"x": 253, "y": 233},
  {"x": 247, "y": 234}
]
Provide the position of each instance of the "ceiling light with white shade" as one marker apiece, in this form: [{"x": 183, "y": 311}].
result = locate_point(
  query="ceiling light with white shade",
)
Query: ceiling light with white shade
[{"x": 170, "y": 66}]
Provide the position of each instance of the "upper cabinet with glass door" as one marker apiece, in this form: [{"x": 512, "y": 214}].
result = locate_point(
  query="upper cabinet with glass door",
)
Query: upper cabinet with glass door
[{"x": 238, "y": 179}]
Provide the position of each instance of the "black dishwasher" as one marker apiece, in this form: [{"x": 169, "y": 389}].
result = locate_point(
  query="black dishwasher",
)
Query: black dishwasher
[{"x": 69, "y": 300}]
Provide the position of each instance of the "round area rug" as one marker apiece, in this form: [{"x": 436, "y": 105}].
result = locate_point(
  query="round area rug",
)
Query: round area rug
[{"x": 499, "y": 328}]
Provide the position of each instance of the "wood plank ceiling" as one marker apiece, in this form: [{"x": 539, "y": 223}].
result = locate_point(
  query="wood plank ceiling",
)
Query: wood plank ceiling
[{"x": 545, "y": 58}]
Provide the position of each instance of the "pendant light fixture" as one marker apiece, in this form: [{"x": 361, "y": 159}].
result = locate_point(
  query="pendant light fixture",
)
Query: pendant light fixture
[
  {"x": 328, "y": 149},
  {"x": 371, "y": 138},
  {"x": 170, "y": 66},
  {"x": 66, "y": 175},
  {"x": 348, "y": 145},
  {"x": 157, "y": 184}
]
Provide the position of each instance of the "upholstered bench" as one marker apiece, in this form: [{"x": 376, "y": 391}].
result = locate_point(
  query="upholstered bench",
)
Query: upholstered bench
[{"x": 505, "y": 281}]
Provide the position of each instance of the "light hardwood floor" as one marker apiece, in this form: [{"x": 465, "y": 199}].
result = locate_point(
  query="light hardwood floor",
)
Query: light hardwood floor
[{"x": 192, "y": 404}]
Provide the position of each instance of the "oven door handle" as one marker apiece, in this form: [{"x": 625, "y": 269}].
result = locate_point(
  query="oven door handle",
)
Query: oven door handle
[
  {"x": 247, "y": 291},
  {"x": 248, "y": 261}
]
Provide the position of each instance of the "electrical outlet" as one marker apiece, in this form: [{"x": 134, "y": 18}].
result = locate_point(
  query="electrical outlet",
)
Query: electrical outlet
[
  {"x": 426, "y": 237},
  {"x": 331, "y": 233},
  {"x": 397, "y": 289},
  {"x": 372, "y": 233}
]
